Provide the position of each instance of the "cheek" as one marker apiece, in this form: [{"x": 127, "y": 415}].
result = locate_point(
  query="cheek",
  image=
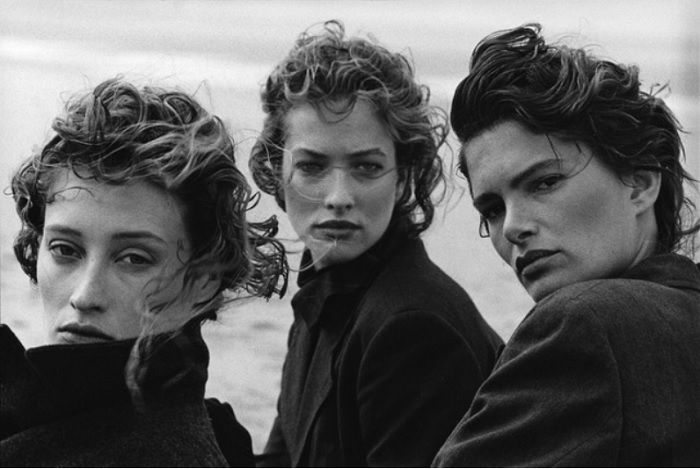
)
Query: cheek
[
  {"x": 137, "y": 300},
  {"x": 129, "y": 326},
  {"x": 380, "y": 207},
  {"x": 153, "y": 289},
  {"x": 298, "y": 210},
  {"x": 587, "y": 209},
  {"x": 380, "y": 202},
  {"x": 595, "y": 213},
  {"x": 175, "y": 305},
  {"x": 502, "y": 246},
  {"x": 168, "y": 287},
  {"x": 377, "y": 216},
  {"x": 53, "y": 289},
  {"x": 131, "y": 296}
]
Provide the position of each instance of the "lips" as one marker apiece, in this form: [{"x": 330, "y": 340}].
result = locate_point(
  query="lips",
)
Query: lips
[
  {"x": 530, "y": 257},
  {"x": 76, "y": 332},
  {"x": 337, "y": 225}
]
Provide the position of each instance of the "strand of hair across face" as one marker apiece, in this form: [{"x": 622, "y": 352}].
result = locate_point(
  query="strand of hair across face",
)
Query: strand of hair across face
[{"x": 315, "y": 261}]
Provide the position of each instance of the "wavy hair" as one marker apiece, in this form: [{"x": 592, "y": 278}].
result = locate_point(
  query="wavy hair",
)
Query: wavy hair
[
  {"x": 118, "y": 134},
  {"x": 329, "y": 68},
  {"x": 568, "y": 92}
]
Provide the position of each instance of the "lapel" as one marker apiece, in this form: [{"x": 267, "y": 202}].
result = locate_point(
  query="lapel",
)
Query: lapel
[
  {"x": 307, "y": 387},
  {"x": 325, "y": 308}
]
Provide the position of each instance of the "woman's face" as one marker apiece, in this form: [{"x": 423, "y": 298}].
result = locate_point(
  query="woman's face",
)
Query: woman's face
[
  {"x": 340, "y": 180},
  {"x": 107, "y": 254},
  {"x": 555, "y": 221}
]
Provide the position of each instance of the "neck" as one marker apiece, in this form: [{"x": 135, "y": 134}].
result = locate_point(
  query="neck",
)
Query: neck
[{"x": 647, "y": 240}]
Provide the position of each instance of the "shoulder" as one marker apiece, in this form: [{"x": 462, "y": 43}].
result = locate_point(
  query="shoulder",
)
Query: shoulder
[
  {"x": 574, "y": 311},
  {"x": 413, "y": 296},
  {"x": 411, "y": 261},
  {"x": 233, "y": 439},
  {"x": 580, "y": 299},
  {"x": 411, "y": 281},
  {"x": 613, "y": 313},
  {"x": 567, "y": 332},
  {"x": 606, "y": 301}
]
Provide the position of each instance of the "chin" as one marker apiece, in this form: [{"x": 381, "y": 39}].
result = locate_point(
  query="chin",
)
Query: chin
[
  {"x": 337, "y": 255},
  {"x": 541, "y": 289},
  {"x": 331, "y": 259}
]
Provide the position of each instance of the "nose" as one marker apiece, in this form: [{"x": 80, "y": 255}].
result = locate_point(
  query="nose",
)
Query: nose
[
  {"x": 89, "y": 296},
  {"x": 339, "y": 191},
  {"x": 518, "y": 224}
]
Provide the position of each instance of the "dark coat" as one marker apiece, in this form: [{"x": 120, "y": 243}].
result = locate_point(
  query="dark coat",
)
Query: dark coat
[
  {"x": 68, "y": 405},
  {"x": 600, "y": 373},
  {"x": 385, "y": 354}
]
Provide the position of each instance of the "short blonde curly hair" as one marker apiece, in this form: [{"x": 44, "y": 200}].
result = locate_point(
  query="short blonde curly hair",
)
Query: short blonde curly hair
[
  {"x": 119, "y": 134},
  {"x": 328, "y": 67}
]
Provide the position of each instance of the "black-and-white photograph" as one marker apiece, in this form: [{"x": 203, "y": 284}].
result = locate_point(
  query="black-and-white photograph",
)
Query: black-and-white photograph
[{"x": 240, "y": 233}]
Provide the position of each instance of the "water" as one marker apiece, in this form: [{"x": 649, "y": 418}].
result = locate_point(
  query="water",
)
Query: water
[{"x": 223, "y": 50}]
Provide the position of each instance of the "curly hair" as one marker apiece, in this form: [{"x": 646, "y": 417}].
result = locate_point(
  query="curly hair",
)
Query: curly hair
[
  {"x": 570, "y": 93},
  {"x": 118, "y": 134},
  {"x": 328, "y": 67}
]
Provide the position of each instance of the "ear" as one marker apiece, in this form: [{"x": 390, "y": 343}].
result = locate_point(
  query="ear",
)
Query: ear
[
  {"x": 645, "y": 186},
  {"x": 400, "y": 187}
]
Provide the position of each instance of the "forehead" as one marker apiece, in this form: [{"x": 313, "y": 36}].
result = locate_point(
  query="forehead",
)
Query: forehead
[
  {"x": 102, "y": 208},
  {"x": 326, "y": 130},
  {"x": 497, "y": 154}
]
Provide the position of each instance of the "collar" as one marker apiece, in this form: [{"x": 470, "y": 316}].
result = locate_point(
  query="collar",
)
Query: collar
[
  {"x": 45, "y": 383},
  {"x": 49, "y": 382},
  {"x": 338, "y": 281},
  {"x": 673, "y": 270}
]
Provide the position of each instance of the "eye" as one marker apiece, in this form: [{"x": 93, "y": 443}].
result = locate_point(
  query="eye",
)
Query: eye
[
  {"x": 546, "y": 183},
  {"x": 310, "y": 168},
  {"x": 489, "y": 215},
  {"x": 491, "y": 212},
  {"x": 64, "y": 251},
  {"x": 135, "y": 259},
  {"x": 368, "y": 169}
]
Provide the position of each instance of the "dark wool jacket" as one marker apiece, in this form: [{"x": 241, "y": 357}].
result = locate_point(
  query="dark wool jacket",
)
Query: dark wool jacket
[
  {"x": 600, "y": 373},
  {"x": 68, "y": 405},
  {"x": 384, "y": 356}
]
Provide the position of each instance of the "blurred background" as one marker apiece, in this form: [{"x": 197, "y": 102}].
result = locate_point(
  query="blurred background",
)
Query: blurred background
[{"x": 222, "y": 52}]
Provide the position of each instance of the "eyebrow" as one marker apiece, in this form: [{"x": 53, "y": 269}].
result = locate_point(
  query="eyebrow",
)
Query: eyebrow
[
  {"x": 122, "y": 235},
  {"x": 63, "y": 230},
  {"x": 519, "y": 178},
  {"x": 355, "y": 154},
  {"x": 127, "y": 235}
]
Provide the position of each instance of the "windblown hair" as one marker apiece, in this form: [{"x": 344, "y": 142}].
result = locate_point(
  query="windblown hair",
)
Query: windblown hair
[
  {"x": 330, "y": 68},
  {"x": 118, "y": 134},
  {"x": 568, "y": 92}
]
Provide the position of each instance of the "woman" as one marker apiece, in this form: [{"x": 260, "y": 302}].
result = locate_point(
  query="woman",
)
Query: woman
[
  {"x": 577, "y": 175},
  {"x": 349, "y": 150},
  {"x": 133, "y": 225}
]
